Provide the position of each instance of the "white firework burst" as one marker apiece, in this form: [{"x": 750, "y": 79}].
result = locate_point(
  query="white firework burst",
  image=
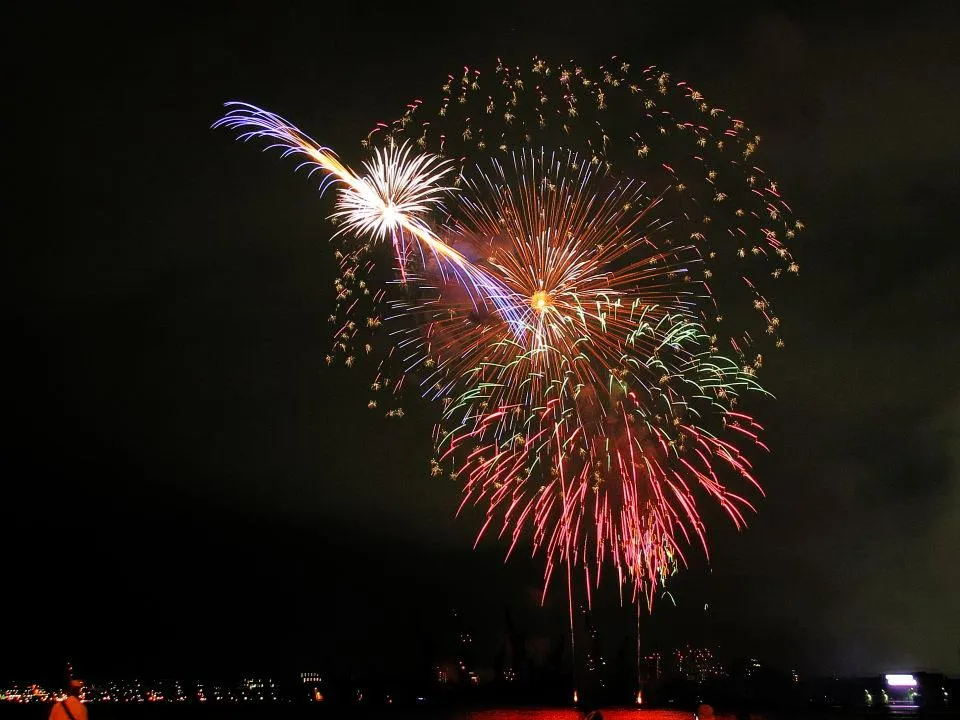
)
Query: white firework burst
[{"x": 399, "y": 189}]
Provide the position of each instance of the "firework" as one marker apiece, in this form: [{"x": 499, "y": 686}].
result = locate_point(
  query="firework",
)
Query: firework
[
  {"x": 565, "y": 247},
  {"x": 591, "y": 426}
]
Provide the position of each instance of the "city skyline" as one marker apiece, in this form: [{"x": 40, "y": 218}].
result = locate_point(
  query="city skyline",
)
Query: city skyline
[{"x": 686, "y": 677}]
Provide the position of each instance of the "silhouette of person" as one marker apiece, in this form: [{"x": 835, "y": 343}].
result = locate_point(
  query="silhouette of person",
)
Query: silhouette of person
[{"x": 70, "y": 708}]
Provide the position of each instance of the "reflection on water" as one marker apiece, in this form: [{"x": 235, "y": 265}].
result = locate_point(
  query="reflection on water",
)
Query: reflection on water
[
  {"x": 39, "y": 711},
  {"x": 571, "y": 714}
]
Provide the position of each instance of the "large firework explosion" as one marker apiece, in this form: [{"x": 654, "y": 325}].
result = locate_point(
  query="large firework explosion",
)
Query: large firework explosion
[{"x": 579, "y": 272}]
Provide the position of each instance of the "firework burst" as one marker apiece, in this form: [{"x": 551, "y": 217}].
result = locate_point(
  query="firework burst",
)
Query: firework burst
[
  {"x": 590, "y": 427},
  {"x": 397, "y": 191},
  {"x": 578, "y": 265}
]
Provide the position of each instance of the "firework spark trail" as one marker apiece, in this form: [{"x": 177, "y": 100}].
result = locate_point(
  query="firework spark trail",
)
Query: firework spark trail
[
  {"x": 392, "y": 200},
  {"x": 564, "y": 315}
]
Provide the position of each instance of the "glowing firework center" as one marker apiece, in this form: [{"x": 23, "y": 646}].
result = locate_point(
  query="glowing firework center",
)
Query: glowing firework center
[{"x": 541, "y": 301}]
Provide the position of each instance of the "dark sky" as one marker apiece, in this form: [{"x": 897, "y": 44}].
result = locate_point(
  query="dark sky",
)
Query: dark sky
[{"x": 188, "y": 487}]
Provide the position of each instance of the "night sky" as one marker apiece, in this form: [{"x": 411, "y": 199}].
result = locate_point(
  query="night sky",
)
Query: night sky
[{"x": 188, "y": 488}]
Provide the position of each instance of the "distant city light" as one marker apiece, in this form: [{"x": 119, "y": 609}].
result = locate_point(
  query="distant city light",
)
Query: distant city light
[{"x": 894, "y": 680}]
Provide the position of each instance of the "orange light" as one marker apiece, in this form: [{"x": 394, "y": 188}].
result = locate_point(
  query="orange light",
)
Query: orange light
[{"x": 541, "y": 300}]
